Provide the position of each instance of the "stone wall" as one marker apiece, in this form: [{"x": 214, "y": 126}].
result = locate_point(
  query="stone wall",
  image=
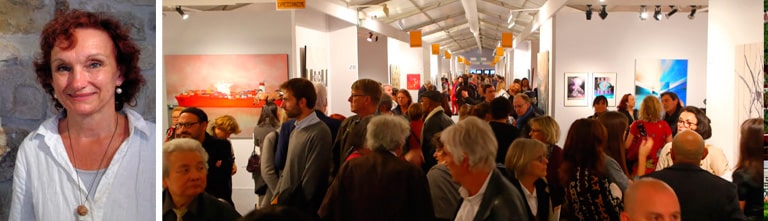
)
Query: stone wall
[{"x": 23, "y": 103}]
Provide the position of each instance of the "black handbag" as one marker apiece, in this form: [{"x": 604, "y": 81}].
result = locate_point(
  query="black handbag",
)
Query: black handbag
[{"x": 253, "y": 161}]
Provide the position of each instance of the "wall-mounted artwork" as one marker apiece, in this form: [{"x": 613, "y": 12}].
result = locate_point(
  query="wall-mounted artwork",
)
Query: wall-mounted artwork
[
  {"x": 605, "y": 84},
  {"x": 656, "y": 76},
  {"x": 576, "y": 90},
  {"x": 543, "y": 80},
  {"x": 394, "y": 75},
  {"x": 237, "y": 85},
  {"x": 319, "y": 76},
  {"x": 414, "y": 81}
]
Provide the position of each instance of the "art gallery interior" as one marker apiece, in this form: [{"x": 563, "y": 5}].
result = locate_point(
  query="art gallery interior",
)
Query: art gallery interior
[{"x": 718, "y": 43}]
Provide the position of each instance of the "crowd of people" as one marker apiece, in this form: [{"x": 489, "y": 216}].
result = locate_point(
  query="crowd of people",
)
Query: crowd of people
[
  {"x": 403, "y": 159},
  {"x": 396, "y": 158}
]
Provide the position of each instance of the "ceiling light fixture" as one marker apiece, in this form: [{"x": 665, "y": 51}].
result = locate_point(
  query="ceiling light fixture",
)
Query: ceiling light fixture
[
  {"x": 671, "y": 12},
  {"x": 589, "y": 12},
  {"x": 370, "y": 37},
  {"x": 376, "y": 39},
  {"x": 184, "y": 16},
  {"x": 511, "y": 25},
  {"x": 693, "y": 12},
  {"x": 509, "y": 19},
  {"x": 603, "y": 13},
  {"x": 657, "y": 13},
  {"x": 643, "y": 13}
]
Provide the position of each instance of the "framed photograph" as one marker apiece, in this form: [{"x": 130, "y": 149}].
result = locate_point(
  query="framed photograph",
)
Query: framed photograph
[
  {"x": 605, "y": 84},
  {"x": 575, "y": 89}
]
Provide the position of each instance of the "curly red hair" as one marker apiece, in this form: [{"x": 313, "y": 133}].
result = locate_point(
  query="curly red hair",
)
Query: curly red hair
[{"x": 59, "y": 33}]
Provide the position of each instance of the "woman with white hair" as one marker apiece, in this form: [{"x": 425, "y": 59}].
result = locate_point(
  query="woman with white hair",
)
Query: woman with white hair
[
  {"x": 470, "y": 155},
  {"x": 379, "y": 185}
]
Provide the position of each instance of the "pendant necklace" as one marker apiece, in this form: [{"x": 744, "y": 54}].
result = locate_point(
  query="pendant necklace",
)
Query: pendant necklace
[{"x": 81, "y": 209}]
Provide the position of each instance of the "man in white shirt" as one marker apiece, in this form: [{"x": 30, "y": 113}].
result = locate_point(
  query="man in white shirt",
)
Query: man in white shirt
[{"x": 469, "y": 154}]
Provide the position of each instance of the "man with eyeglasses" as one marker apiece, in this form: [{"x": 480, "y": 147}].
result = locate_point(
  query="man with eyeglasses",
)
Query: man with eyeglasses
[
  {"x": 192, "y": 124},
  {"x": 363, "y": 101},
  {"x": 522, "y": 106}
]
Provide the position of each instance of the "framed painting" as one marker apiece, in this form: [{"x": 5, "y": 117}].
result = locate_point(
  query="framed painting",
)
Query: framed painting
[
  {"x": 394, "y": 75},
  {"x": 656, "y": 76},
  {"x": 605, "y": 84},
  {"x": 575, "y": 89},
  {"x": 236, "y": 85}
]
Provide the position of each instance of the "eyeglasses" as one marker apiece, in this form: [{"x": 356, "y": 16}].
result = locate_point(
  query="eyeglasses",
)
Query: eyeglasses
[
  {"x": 686, "y": 123},
  {"x": 181, "y": 125}
]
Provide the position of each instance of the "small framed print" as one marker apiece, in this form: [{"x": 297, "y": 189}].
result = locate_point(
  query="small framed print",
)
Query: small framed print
[{"x": 575, "y": 89}]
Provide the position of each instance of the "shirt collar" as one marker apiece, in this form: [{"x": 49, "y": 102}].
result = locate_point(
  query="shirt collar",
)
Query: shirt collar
[
  {"x": 136, "y": 124},
  {"x": 309, "y": 120},
  {"x": 465, "y": 194},
  {"x": 433, "y": 112}
]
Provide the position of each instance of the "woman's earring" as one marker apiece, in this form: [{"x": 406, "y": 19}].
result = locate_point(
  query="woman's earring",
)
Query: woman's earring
[
  {"x": 55, "y": 96},
  {"x": 119, "y": 90}
]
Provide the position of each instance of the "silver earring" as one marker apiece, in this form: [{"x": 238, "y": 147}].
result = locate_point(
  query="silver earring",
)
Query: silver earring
[
  {"x": 119, "y": 90},
  {"x": 55, "y": 96}
]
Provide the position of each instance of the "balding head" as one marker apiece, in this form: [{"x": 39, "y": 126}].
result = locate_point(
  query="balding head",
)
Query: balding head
[
  {"x": 688, "y": 148},
  {"x": 650, "y": 199}
]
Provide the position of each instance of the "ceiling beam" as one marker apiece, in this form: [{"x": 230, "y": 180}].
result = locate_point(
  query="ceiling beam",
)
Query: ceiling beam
[
  {"x": 173, "y": 3},
  {"x": 449, "y": 30},
  {"x": 418, "y": 10},
  {"x": 427, "y": 23}
]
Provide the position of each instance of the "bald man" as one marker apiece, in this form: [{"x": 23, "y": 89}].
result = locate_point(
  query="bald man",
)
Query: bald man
[
  {"x": 650, "y": 199},
  {"x": 702, "y": 196}
]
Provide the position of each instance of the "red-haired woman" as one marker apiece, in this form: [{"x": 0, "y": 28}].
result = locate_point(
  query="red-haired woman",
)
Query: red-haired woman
[{"x": 95, "y": 160}]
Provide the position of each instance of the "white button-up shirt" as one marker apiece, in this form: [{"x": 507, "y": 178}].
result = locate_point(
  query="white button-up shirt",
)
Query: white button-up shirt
[
  {"x": 471, "y": 204},
  {"x": 45, "y": 185}
]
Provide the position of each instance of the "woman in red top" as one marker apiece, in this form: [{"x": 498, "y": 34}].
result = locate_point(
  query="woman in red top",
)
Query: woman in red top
[
  {"x": 413, "y": 152},
  {"x": 648, "y": 125}
]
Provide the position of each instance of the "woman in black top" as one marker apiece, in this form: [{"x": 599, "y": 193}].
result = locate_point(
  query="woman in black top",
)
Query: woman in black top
[
  {"x": 627, "y": 107},
  {"x": 748, "y": 177}
]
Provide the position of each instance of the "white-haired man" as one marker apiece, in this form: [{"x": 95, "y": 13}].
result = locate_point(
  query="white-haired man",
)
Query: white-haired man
[
  {"x": 470, "y": 154},
  {"x": 184, "y": 178},
  {"x": 379, "y": 185}
]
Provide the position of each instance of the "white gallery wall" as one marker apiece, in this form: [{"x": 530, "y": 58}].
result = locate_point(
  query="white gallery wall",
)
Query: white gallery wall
[
  {"x": 408, "y": 59},
  {"x": 522, "y": 60},
  {"x": 343, "y": 67},
  {"x": 730, "y": 25},
  {"x": 613, "y": 44},
  {"x": 372, "y": 57}
]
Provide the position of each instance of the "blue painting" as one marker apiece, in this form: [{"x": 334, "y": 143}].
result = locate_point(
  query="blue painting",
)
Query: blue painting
[{"x": 656, "y": 76}]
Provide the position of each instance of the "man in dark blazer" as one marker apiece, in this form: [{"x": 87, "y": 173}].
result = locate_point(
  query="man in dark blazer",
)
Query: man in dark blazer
[
  {"x": 470, "y": 154},
  {"x": 435, "y": 121},
  {"x": 702, "y": 196},
  {"x": 379, "y": 185}
]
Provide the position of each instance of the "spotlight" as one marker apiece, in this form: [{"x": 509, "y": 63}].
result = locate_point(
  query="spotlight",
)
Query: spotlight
[
  {"x": 370, "y": 37},
  {"x": 603, "y": 14},
  {"x": 589, "y": 12},
  {"x": 184, "y": 16},
  {"x": 657, "y": 13},
  {"x": 644, "y": 13},
  {"x": 693, "y": 12},
  {"x": 672, "y": 12},
  {"x": 376, "y": 39}
]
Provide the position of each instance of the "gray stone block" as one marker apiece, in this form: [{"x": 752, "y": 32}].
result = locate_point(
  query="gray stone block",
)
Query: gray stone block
[{"x": 28, "y": 102}]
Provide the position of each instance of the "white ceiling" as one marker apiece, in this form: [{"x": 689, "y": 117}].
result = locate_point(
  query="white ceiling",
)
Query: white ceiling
[{"x": 445, "y": 21}]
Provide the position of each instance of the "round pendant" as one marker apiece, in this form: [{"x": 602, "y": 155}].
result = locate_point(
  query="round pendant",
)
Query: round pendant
[{"x": 81, "y": 210}]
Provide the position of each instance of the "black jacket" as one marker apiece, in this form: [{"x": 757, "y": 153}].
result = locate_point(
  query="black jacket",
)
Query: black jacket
[
  {"x": 501, "y": 201},
  {"x": 702, "y": 196}
]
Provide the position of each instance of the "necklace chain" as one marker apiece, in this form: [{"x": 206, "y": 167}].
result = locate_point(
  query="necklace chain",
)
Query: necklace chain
[{"x": 104, "y": 156}]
